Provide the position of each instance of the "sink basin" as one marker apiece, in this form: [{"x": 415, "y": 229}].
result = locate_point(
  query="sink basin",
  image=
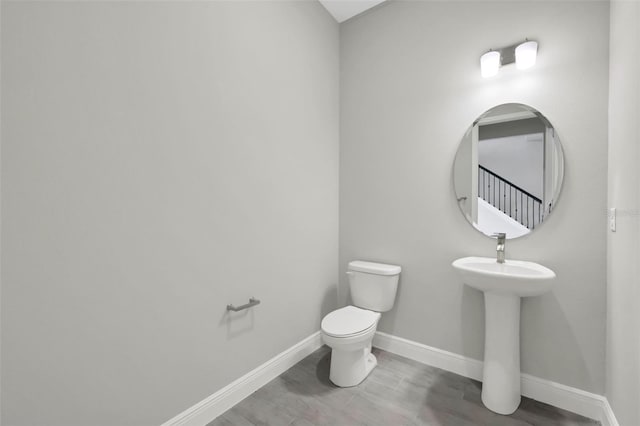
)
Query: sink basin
[
  {"x": 503, "y": 284},
  {"x": 515, "y": 277}
]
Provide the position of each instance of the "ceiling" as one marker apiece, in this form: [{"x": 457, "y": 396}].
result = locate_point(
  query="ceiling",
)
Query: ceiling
[{"x": 342, "y": 10}]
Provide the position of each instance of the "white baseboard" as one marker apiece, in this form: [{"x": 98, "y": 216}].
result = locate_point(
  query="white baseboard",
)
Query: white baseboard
[
  {"x": 216, "y": 404},
  {"x": 571, "y": 399},
  {"x": 434, "y": 357},
  {"x": 561, "y": 396},
  {"x": 566, "y": 397}
]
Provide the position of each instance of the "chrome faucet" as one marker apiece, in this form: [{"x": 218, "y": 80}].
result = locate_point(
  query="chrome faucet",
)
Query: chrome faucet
[{"x": 501, "y": 236}]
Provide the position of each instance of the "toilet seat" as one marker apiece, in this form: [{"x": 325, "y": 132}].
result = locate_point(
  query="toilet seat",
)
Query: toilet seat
[{"x": 349, "y": 321}]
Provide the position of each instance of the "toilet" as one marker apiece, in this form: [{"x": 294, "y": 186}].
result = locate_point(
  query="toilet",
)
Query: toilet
[{"x": 349, "y": 331}]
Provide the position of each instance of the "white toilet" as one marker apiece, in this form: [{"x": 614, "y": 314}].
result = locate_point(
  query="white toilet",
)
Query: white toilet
[{"x": 349, "y": 331}]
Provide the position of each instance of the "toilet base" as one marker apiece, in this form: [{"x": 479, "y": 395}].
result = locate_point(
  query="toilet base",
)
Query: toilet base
[{"x": 350, "y": 368}]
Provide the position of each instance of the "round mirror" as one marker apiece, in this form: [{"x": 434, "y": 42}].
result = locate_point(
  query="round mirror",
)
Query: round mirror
[{"x": 508, "y": 171}]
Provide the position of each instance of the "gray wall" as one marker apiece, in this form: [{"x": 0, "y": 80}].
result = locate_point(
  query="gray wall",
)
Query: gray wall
[
  {"x": 623, "y": 295},
  {"x": 160, "y": 160},
  {"x": 410, "y": 87}
]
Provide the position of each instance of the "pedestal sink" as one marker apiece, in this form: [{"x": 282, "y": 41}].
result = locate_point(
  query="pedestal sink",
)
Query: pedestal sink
[{"x": 503, "y": 285}]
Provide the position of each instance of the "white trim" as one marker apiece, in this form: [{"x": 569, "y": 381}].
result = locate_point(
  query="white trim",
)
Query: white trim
[
  {"x": 434, "y": 357},
  {"x": 503, "y": 118},
  {"x": 566, "y": 397},
  {"x": 216, "y": 404},
  {"x": 608, "y": 418},
  {"x": 571, "y": 399},
  {"x": 561, "y": 396}
]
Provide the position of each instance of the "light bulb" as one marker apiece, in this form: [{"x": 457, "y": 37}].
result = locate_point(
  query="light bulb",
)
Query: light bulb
[
  {"x": 489, "y": 64},
  {"x": 526, "y": 54}
]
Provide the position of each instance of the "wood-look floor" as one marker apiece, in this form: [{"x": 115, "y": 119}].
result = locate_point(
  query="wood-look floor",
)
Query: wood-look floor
[{"x": 397, "y": 392}]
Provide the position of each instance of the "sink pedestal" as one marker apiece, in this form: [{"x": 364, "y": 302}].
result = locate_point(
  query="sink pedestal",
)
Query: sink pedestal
[
  {"x": 503, "y": 285},
  {"x": 501, "y": 374}
]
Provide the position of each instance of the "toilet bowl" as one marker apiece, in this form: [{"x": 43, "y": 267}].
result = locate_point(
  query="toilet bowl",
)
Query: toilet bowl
[{"x": 349, "y": 331}]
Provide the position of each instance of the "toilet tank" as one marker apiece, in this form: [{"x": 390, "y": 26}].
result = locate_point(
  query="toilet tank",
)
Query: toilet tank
[{"x": 373, "y": 285}]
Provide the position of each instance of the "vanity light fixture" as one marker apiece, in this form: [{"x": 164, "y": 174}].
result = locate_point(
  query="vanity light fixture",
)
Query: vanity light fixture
[
  {"x": 526, "y": 54},
  {"x": 490, "y": 63},
  {"x": 522, "y": 54}
]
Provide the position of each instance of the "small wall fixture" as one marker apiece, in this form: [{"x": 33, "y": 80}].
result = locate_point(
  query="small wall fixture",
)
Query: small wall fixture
[
  {"x": 252, "y": 302},
  {"x": 522, "y": 54}
]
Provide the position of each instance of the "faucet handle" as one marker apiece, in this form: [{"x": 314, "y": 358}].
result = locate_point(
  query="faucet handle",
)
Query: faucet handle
[{"x": 500, "y": 235}]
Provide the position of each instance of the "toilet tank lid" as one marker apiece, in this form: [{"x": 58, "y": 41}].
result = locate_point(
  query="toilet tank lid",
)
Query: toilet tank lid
[{"x": 374, "y": 268}]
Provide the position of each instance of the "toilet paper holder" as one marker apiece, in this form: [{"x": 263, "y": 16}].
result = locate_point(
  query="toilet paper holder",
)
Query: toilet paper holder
[{"x": 252, "y": 302}]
